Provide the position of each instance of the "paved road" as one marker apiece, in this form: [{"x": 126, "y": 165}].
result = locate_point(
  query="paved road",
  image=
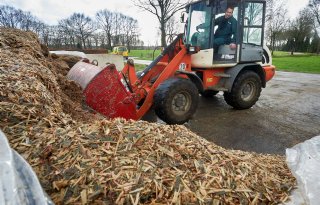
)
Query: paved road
[
  {"x": 288, "y": 112},
  {"x": 143, "y": 62}
]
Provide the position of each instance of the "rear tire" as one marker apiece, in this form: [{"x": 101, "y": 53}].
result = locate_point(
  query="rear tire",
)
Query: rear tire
[
  {"x": 245, "y": 91},
  {"x": 209, "y": 93},
  {"x": 176, "y": 100}
]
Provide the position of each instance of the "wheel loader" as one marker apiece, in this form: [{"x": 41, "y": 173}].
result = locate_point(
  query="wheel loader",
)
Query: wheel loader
[
  {"x": 120, "y": 50},
  {"x": 189, "y": 68}
]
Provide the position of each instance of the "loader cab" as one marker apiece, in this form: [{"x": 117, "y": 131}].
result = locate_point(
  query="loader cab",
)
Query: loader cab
[{"x": 202, "y": 24}]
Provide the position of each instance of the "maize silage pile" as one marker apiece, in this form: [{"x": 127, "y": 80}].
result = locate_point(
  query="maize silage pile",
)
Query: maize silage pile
[{"x": 81, "y": 158}]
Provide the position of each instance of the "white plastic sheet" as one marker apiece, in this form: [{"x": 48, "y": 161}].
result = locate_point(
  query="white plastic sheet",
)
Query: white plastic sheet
[
  {"x": 304, "y": 161},
  {"x": 73, "y": 53},
  {"x": 19, "y": 185}
]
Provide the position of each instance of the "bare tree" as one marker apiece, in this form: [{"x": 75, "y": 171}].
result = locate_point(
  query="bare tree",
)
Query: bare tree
[
  {"x": 163, "y": 10},
  {"x": 66, "y": 33},
  {"x": 13, "y": 18},
  {"x": 76, "y": 31},
  {"x": 27, "y": 19},
  {"x": 300, "y": 31},
  {"x": 172, "y": 29},
  {"x": 130, "y": 29},
  {"x": 95, "y": 37},
  {"x": 105, "y": 21},
  {"x": 10, "y": 17},
  {"x": 56, "y": 37},
  {"x": 102, "y": 40},
  {"x": 277, "y": 21},
  {"x": 43, "y": 31},
  {"x": 315, "y": 8},
  {"x": 81, "y": 25},
  {"x": 118, "y": 21},
  {"x": 119, "y": 28}
]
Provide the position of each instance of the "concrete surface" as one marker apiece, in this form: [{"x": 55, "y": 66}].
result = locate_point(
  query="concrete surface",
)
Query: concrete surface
[
  {"x": 287, "y": 113},
  {"x": 143, "y": 62}
]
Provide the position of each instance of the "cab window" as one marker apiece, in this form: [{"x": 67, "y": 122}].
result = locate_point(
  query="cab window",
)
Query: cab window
[
  {"x": 253, "y": 23},
  {"x": 199, "y": 27}
]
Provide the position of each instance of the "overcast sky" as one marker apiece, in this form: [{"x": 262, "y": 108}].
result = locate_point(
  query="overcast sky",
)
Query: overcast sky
[{"x": 51, "y": 11}]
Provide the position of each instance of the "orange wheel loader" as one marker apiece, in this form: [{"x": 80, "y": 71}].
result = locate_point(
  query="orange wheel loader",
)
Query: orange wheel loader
[{"x": 190, "y": 67}]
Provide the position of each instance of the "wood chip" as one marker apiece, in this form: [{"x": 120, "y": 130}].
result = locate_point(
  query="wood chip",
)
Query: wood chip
[{"x": 81, "y": 158}]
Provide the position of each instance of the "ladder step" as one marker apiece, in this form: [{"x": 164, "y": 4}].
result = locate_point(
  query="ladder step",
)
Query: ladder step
[{"x": 223, "y": 75}]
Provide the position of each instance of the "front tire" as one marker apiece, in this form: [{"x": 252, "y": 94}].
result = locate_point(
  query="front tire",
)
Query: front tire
[
  {"x": 245, "y": 91},
  {"x": 176, "y": 100}
]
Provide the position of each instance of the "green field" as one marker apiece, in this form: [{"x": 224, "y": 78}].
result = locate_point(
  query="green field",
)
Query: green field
[
  {"x": 139, "y": 67},
  {"x": 144, "y": 54},
  {"x": 305, "y": 63}
]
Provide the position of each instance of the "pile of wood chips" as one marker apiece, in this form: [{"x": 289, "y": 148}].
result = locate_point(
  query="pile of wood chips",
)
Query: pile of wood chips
[{"x": 81, "y": 158}]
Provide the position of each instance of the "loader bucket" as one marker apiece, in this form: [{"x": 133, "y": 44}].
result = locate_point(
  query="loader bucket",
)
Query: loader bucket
[{"x": 103, "y": 90}]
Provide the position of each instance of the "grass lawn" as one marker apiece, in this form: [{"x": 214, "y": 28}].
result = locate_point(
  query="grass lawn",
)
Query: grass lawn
[
  {"x": 305, "y": 63},
  {"x": 139, "y": 67},
  {"x": 144, "y": 54}
]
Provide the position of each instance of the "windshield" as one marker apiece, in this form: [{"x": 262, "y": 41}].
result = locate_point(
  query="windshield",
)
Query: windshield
[
  {"x": 199, "y": 25},
  {"x": 122, "y": 49}
]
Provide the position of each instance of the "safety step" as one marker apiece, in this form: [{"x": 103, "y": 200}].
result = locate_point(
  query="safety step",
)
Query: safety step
[{"x": 223, "y": 75}]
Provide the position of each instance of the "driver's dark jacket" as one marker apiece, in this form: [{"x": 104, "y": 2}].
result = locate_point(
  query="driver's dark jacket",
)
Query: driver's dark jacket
[{"x": 227, "y": 29}]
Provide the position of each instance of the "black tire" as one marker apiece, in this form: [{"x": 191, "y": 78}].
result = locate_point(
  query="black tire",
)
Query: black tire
[
  {"x": 209, "y": 93},
  {"x": 176, "y": 100},
  {"x": 245, "y": 90}
]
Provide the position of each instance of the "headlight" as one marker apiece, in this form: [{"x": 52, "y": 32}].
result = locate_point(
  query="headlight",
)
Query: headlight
[{"x": 192, "y": 49}]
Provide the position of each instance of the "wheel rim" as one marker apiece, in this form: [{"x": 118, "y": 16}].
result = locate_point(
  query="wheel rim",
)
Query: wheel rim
[
  {"x": 248, "y": 91},
  {"x": 181, "y": 103}
]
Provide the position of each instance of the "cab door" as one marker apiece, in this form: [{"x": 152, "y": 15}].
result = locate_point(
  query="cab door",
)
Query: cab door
[{"x": 253, "y": 20}]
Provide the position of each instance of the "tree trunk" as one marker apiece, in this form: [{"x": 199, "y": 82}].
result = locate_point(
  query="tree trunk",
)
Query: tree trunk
[
  {"x": 84, "y": 42},
  {"x": 109, "y": 40},
  {"x": 163, "y": 34},
  {"x": 273, "y": 39}
]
